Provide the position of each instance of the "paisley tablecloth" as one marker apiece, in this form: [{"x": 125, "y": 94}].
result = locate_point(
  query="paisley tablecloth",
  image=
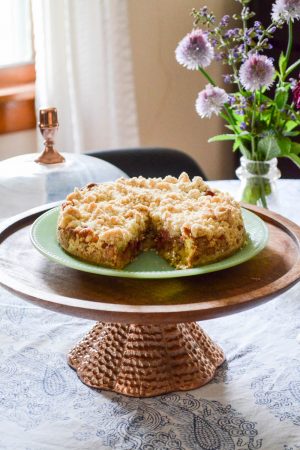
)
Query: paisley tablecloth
[{"x": 253, "y": 402}]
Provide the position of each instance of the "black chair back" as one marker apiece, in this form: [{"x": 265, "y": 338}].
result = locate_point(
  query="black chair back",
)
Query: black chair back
[{"x": 151, "y": 162}]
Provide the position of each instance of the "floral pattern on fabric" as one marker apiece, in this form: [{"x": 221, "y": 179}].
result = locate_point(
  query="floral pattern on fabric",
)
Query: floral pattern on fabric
[
  {"x": 280, "y": 393},
  {"x": 253, "y": 403},
  {"x": 173, "y": 422}
]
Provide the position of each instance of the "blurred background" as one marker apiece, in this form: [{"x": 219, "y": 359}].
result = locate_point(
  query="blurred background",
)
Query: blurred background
[{"x": 109, "y": 68}]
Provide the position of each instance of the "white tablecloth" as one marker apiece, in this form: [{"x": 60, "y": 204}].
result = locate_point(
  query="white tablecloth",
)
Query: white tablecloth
[{"x": 253, "y": 402}]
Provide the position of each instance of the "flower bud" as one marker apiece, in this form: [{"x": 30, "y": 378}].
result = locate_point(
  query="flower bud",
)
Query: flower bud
[{"x": 296, "y": 95}]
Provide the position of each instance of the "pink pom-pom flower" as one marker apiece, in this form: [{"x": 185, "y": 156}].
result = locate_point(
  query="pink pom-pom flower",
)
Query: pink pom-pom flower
[
  {"x": 194, "y": 51},
  {"x": 211, "y": 101},
  {"x": 256, "y": 72},
  {"x": 286, "y": 10}
]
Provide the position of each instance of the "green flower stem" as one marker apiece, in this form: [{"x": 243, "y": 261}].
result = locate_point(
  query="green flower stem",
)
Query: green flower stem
[
  {"x": 272, "y": 115},
  {"x": 292, "y": 68},
  {"x": 259, "y": 104},
  {"x": 231, "y": 62},
  {"x": 244, "y": 30},
  {"x": 253, "y": 127},
  {"x": 290, "y": 42},
  {"x": 228, "y": 118},
  {"x": 253, "y": 148},
  {"x": 283, "y": 125},
  {"x": 265, "y": 33},
  {"x": 257, "y": 187},
  {"x": 288, "y": 53},
  {"x": 237, "y": 80},
  {"x": 207, "y": 76},
  {"x": 262, "y": 187},
  {"x": 252, "y": 192}
]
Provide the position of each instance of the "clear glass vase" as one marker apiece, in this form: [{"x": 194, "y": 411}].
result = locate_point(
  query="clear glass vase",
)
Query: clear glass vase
[{"x": 258, "y": 182}]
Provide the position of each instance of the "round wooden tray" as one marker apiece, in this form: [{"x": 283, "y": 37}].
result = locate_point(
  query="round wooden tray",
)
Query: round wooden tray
[{"x": 144, "y": 345}]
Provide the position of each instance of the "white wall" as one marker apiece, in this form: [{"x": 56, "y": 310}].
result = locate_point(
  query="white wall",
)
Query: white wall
[
  {"x": 165, "y": 91},
  {"x": 13, "y": 144}
]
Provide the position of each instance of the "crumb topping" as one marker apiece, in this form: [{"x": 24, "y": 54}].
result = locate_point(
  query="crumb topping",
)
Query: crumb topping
[{"x": 120, "y": 211}]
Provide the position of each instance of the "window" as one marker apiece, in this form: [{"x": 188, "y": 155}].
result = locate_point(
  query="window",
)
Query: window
[
  {"x": 17, "y": 73},
  {"x": 15, "y": 32}
]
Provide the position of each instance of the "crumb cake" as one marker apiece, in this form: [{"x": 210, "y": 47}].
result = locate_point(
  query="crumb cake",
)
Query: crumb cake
[{"x": 185, "y": 221}]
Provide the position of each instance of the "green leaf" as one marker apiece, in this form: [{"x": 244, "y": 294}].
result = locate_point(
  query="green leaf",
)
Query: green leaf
[
  {"x": 268, "y": 148},
  {"x": 281, "y": 98},
  {"x": 282, "y": 63},
  {"x": 290, "y": 125},
  {"x": 295, "y": 148},
  {"x": 236, "y": 145},
  {"x": 245, "y": 152},
  {"x": 222, "y": 137},
  {"x": 237, "y": 117},
  {"x": 294, "y": 158},
  {"x": 292, "y": 133},
  {"x": 285, "y": 145},
  {"x": 265, "y": 98},
  {"x": 245, "y": 135}
]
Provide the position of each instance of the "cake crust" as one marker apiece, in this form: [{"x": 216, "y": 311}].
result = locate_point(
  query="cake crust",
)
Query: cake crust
[{"x": 185, "y": 221}]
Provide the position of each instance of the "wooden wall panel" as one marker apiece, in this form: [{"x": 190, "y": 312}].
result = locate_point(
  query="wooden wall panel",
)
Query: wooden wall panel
[{"x": 17, "y": 95}]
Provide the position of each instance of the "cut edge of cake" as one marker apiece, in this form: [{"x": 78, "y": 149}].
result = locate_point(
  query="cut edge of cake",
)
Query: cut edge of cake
[{"x": 121, "y": 230}]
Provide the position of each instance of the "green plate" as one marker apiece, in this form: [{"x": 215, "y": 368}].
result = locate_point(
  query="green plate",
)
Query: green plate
[{"x": 147, "y": 264}]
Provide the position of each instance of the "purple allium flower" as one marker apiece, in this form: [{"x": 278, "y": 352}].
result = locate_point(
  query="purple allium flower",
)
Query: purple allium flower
[
  {"x": 210, "y": 101},
  {"x": 194, "y": 51},
  {"x": 257, "y": 72},
  {"x": 228, "y": 78},
  {"x": 243, "y": 102},
  {"x": 231, "y": 100},
  {"x": 243, "y": 126},
  {"x": 225, "y": 20},
  {"x": 296, "y": 95},
  {"x": 204, "y": 11},
  {"x": 220, "y": 56},
  {"x": 286, "y": 10},
  {"x": 233, "y": 32}
]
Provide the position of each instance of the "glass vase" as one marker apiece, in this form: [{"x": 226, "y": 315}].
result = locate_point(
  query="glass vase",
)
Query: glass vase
[{"x": 258, "y": 182}]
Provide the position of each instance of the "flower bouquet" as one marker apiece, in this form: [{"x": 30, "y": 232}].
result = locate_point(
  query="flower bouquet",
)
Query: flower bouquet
[{"x": 262, "y": 125}]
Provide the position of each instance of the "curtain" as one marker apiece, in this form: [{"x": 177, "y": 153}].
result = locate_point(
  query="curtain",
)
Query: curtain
[{"x": 84, "y": 69}]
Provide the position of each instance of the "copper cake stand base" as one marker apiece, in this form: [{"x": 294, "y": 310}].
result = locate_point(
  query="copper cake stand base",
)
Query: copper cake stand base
[{"x": 146, "y": 360}]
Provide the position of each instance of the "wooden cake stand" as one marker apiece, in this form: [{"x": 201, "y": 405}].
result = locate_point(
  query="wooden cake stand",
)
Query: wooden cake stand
[{"x": 147, "y": 341}]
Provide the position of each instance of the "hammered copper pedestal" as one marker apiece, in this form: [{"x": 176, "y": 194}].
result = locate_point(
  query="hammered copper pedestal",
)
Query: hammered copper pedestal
[
  {"x": 146, "y": 360},
  {"x": 146, "y": 341}
]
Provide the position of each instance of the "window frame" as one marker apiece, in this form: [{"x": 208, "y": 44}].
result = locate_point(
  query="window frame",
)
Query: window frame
[{"x": 17, "y": 98}]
